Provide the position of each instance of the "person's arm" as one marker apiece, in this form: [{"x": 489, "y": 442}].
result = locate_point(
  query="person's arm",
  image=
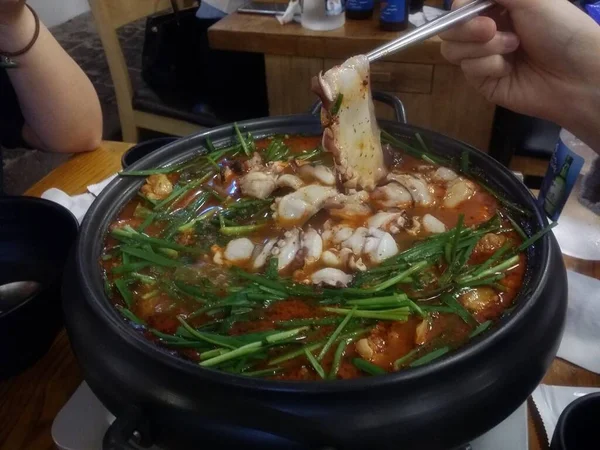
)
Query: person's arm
[
  {"x": 60, "y": 106},
  {"x": 536, "y": 57}
]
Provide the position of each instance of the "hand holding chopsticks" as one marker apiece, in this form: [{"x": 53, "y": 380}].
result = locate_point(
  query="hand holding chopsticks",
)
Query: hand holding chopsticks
[{"x": 432, "y": 28}]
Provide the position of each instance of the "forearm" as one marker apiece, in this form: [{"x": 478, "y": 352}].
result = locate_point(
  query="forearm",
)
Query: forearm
[
  {"x": 581, "y": 113},
  {"x": 60, "y": 106}
]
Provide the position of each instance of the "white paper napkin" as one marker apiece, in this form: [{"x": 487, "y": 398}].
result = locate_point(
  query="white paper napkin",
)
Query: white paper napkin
[
  {"x": 581, "y": 341},
  {"x": 77, "y": 204},
  {"x": 428, "y": 14},
  {"x": 550, "y": 401}
]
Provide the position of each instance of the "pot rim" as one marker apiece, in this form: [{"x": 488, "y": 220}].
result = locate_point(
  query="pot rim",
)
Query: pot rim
[{"x": 101, "y": 305}]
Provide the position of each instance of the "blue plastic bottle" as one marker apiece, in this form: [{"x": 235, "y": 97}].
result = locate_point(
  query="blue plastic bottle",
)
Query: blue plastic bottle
[
  {"x": 394, "y": 15},
  {"x": 359, "y": 9}
]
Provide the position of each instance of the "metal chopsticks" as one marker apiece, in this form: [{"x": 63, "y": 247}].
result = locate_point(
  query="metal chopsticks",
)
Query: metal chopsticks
[{"x": 432, "y": 28}]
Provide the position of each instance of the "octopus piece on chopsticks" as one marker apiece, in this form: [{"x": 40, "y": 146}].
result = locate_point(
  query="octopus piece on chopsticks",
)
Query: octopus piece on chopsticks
[
  {"x": 351, "y": 132},
  {"x": 296, "y": 208}
]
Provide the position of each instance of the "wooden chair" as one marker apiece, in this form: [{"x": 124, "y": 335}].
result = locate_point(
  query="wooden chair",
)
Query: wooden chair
[{"x": 110, "y": 15}]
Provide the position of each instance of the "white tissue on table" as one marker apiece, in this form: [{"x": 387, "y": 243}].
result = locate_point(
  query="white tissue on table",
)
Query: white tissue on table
[
  {"x": 581, "y": 341},
  {"x": 77, "y": 204},
  {"x": 428, "y": 14},
  {"x": 550, "y": 401},
  {"x": 292, "y": 9}
]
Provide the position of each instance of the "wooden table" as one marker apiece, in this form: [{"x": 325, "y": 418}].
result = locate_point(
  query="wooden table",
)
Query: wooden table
[
  {"x": 30, "y": 401},
  {"x": 435, "y": 93}
]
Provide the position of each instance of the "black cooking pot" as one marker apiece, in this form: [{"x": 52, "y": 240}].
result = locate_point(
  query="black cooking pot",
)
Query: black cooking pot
[{"x": 163, "y": 399}]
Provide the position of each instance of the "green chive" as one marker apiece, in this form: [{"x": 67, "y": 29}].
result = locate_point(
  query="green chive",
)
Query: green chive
[
  {"x": 249, "y": 348},
  {"x": 131, "y": 267},
  {"x": 260, "y": 280},
  {"x": 480, "y": 328},
  {"x": 456, "y": 236},
  {"x": 312, "y": 347},
  {"x": 464, "y": 162},
  {"x": 147, "y": 221},
  {"x": 536, "y": 236},
  {"x": 335, "y": 109},
  {"x": 458, "y": 309},
  {"x": 241, "y": 140},
  {"x": 123, "y": 234},
  {"x": 205, "y": 336},
  {"x": 241, "y": 230},
  {"x": 505, "y": 265},
  {"x": 240, "y": 351},
  {"x": 293, "y": 323},
  {"x": 123, "y": 289},
  {"x": 404, "y": 359},
  {"x": 517, "y": 227},
  {"x": 129, "y": 315},
  {"x": 335, "y": 334},
  {"x": 313, "y": 361},
  {"x": 422, "y": 144},
  {"x": 397, "y": 314},
  {"x": 368, "y": 367},
  {"x": 264, "y": 372},
  {"x": 152, "y": 257},
  {"x": 145, "y": 279},
  {"x": 430, "y": 357},
  {"x": 491, "y": 260},
  {"x": 392, "y": 281},
  {"x": 212, "y": 353},
  {"x": 337, "y": 358},
  {"x": 378, "y": 302},
  {"x": 428, "y": 159},
  {"x": 209, "y": 145}
]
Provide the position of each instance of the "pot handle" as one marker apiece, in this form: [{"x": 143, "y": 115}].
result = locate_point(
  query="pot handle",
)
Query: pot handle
[
  {"x": 383, "y": 97},
  {"x": 127, "y": 427}
]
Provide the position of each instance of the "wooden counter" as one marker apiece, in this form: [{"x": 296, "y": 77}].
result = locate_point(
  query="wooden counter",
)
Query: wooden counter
[{"x": 435, "y": 93}]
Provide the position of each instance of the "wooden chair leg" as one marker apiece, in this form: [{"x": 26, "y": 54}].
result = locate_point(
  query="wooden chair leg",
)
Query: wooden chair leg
[{"x": 131, "y": 132}]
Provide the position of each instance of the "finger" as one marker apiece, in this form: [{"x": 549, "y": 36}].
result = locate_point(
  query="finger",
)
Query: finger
[
  {"x": 501, "y": 44},
  {"x": 494, "y": 66},
  {"x": 479, "y": 29},
  {"x": 458, "y": 3},
  {"x": 498, "y": 14}
]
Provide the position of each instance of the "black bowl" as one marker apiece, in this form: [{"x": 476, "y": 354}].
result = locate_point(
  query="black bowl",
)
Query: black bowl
[
  {"x": 578, "y": 427},
  {"x": 178, "y": 404},
  {"x": 136, "y": 153},
  {"x": 35, "y": 238}
]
